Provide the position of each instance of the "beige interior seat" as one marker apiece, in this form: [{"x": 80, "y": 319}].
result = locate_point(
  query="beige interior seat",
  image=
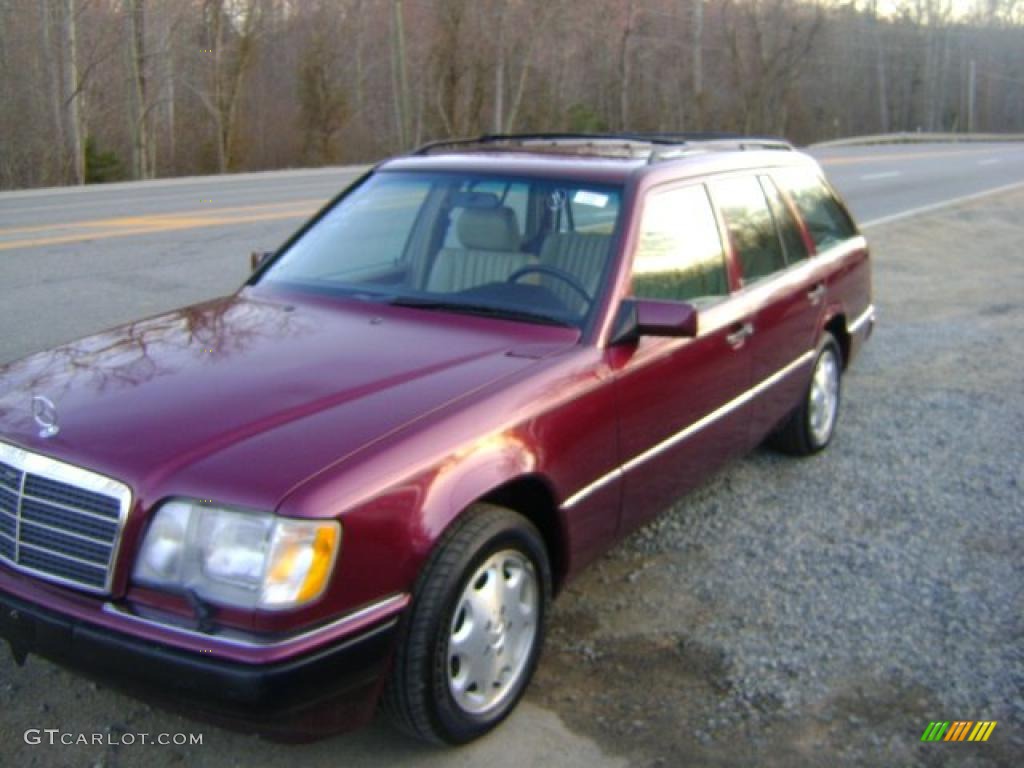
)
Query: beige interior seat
[
  {"x": 490, "y": 252},
  {"x": 582, "y": 255}
]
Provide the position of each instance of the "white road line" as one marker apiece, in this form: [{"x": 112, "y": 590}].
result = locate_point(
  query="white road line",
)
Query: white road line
[
  {"x": 989, "y": 161},
  {"x": 880, "y": 175},
  {"x": 940, "y": 205}
]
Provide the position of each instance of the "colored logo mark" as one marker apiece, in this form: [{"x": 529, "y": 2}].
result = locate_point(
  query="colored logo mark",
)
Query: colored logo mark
[{"x": 959, "y": 730}]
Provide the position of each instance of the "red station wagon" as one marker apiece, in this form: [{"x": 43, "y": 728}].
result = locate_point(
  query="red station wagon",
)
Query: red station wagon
[{"x": 363, "y": 477}]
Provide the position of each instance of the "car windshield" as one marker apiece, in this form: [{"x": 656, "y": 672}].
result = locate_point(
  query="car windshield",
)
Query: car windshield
[{"x": 535, "y": 250}]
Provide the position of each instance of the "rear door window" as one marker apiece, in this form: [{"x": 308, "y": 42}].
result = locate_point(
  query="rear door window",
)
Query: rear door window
[
  {"x": 750, "y": 225},
  {"x": 588, "y": 210},
  {"x": 825, "y": 218},
  {"x": 680, "y": 256},
  {"x": 593, "y": 211}
]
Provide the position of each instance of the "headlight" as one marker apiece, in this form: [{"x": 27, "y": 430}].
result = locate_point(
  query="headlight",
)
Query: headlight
[{"x": 243, "y": 559}]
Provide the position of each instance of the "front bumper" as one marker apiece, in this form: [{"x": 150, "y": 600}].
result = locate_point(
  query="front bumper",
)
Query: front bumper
[{"x": 325, "y": 691}]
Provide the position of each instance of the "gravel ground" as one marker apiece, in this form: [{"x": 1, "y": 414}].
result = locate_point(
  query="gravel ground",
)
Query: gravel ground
[
  {"x": 824, "y": 611},
  {"x": 792, "y": 612}
]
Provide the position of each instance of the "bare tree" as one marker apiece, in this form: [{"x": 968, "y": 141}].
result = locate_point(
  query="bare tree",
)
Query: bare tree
[
  {"x": 535, "y": 17},
  {"x": 53, "y": 76},
  {"x": 697, "y": 43},
  {"x": 933, "y": 17},
  {"x": 400, "y": 75},
  {"x": 231, "y": 28},
  {"x": 74, "y": 96},
  {"x": 768, "y": 41},
  {"x": 456, "y": 70},
  {"x": 323, "y": 106},
  {"x": 143, "y": 148},
  {"x": 626, "y": 64},
  {"x": 168, "y": 23},
  {"x": 880, "y": 68},
  {"x": 499, "y": 68},
  {"x": 359, "y": 54},
  {"x": 195, "y": 86}
]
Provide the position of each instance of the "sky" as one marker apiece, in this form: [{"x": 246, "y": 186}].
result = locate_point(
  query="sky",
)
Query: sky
[{"x": 960, "y": 7}]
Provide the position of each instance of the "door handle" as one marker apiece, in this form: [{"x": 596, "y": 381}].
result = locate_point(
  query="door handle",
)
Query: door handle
[
  {"x": 817, "y": 293},
  {"x": 741, "y": 334}
]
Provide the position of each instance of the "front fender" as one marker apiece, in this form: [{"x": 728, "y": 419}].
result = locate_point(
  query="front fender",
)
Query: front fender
[
  {"x": 472, "y": 473},
  {"x": 387, "y": 537}
]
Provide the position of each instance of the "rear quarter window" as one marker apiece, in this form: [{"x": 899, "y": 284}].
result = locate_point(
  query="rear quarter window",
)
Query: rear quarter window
[
  {"x": 785, "y": 221},
  {"x": 826, "y": 220}
]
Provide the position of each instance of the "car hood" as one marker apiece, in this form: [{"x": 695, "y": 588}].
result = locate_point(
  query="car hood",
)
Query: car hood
[{"x": 241, "y": 399}]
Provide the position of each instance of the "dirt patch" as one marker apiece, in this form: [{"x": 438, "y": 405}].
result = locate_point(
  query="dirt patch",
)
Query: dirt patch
[{"x": 634, "y": 695}]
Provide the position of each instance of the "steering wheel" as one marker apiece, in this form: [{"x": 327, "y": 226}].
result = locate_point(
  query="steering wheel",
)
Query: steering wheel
[{"x": 561, "y": 274}]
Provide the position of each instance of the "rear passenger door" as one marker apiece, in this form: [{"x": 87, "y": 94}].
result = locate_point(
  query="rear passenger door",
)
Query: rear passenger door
[
  {"x": 677, "y": 396},
  {"x": 781, "y": 292},
  {"x": 841, "y": 255}
]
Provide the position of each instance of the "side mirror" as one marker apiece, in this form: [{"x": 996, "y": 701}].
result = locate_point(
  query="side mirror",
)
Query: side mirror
[
  {"x": 258, "y": 258},
  {"x": 650, "y": 317},
  {"x": 665, "y": 318}
]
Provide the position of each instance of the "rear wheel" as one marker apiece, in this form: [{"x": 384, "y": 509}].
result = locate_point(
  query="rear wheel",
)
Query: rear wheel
[
  {"x": 471, "y": 640},
  {"x": 809, "y": 428}
]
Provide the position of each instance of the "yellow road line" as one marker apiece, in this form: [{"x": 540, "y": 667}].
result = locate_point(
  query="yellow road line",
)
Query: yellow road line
[
  {"x": 152, "y": 225},
  {"x": 136, "y": 220}
]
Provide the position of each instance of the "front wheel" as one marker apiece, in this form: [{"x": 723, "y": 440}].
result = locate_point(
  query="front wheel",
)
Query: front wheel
[
  {"x": 470, "y": 643},
  {"x": 809, "y": 428}
]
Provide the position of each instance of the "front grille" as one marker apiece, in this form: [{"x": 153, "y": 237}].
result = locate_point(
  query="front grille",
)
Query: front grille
[{"x": 59, "y": 522}]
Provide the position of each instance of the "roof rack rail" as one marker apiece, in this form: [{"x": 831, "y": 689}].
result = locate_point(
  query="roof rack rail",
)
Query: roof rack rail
[
  {"x": 658, "y": 145},
  {"x": 721, "y": 142},
  {"x": 512, "y": 138}
]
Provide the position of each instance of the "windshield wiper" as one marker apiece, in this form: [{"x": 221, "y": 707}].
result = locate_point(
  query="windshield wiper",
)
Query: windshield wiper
[{"x": 488, "y": 310}]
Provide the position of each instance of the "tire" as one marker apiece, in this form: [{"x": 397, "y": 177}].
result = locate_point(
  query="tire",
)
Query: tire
[
  {"x": 811, "y": 425},
  {"x": 470, "y": 641}
]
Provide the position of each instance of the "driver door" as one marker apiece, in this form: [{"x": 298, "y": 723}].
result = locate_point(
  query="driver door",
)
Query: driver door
[{"x": 677, "y": 396}]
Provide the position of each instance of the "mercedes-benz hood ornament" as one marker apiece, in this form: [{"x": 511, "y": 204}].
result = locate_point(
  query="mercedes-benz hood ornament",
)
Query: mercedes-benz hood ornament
[{"x": 45, "y": 414}]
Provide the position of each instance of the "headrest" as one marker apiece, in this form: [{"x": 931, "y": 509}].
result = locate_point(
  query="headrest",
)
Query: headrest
[
  {"x": 488, "y": 229},
  {"x": 593, "y": 244}
]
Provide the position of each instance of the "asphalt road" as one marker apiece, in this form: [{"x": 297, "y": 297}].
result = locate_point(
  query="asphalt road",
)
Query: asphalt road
[
  {"x": 123, "y": 251},
  {"x": 885, "y": 182},
  {"x": 79, "y": 260}
]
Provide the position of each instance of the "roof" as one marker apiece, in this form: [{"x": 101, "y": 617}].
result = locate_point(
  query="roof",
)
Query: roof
[
  {"x": 651, "y": 146},
  {"x": 600, "y": 158},
  {"x": 595, "y": 170}
]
